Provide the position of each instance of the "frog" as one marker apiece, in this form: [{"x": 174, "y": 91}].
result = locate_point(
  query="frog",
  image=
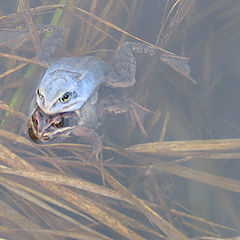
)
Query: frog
[
  {"x": 70, "y": 81},
  {"x": 82, "y": 122},
  {"x": 66, "y": 100},
  {"x": 73, "y": 89}
]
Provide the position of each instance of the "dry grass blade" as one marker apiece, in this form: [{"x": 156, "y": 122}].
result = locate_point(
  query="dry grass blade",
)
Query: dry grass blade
[
  {"x": 63, "y": 180},
  {"x": 123, "y": 31},
  {"x": 16, "y": 138},
  {"x": 164, "y": 128},
  {"x": 20, "y": 221},
  {"x": 69, "y": 235},
  {"x": 94, "y": 34},
  {"x": 132, "y": 222},
  {"x": 12, "y": 111},
  {"x": 85, "y": 204},
  {"x": 17, "y": 17},
  {"x": 202, "y": 220},
  {"x": 99, "y": 214},
  {"x": 98, "y": 29},
  {"x": 210, "y": 179},
  {"x": 13, "y": 70},
  {"x": 89, "y": 23},
  {"x": 46, "y": 198},
  {"x": 50, "y": 209},
  {"x": 183, "y": 9},
  {"x": 22, "y": 59},
  {"x": 31, "y": 27},
  {"x": 11, "y": 159},
  {"x": 178, "y": 147},
  {"x": 217, "y": 238},
  {"x": 96, "y": 210},
  {"x": 89, "y": 207}
]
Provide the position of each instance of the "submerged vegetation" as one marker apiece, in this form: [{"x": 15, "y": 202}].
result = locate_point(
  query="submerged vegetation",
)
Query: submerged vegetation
[{"x": 181, "y": 181}]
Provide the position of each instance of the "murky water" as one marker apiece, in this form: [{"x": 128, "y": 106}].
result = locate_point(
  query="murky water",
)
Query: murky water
[{"x": 197, "y": 193}]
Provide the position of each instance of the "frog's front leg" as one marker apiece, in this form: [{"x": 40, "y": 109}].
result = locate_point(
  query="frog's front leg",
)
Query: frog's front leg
[
  {"x": 123, "y": 75},
  {"x": 93, "y": 138}
]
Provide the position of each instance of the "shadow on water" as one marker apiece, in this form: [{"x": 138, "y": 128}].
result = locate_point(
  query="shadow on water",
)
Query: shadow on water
[{"x": 179, "y": 182}]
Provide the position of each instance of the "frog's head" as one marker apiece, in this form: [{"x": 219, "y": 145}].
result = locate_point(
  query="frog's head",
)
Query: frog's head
[
  {"x": 43, "y": 127},
  {"x": 57, "y": 99},
  {"x": 63, "y": 92},
  {"x": 58, "y": 96}
]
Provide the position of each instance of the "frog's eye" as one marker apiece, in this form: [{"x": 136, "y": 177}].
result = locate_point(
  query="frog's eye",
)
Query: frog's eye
[
  {"x": 65, "y": 97},
  {"x": 59, "y": 123},
  {"x": 39, "y": 93}
]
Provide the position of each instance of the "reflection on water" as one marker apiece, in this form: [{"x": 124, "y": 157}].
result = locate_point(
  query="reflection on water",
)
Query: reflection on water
[{"x": 194, "y": 193}]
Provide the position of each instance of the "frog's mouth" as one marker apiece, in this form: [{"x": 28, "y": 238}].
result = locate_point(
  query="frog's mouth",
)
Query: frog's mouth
[
  {"x": 57, "y": 128},
  {"x": 37, "y": 139},
  {"x": 45, "y": 137}
]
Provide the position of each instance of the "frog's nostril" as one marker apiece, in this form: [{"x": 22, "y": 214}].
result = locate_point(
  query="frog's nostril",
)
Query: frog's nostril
[{"x": 34, "y": 120}]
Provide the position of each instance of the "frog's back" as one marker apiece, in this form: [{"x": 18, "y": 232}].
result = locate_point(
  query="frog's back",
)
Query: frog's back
[
  {"x": 81, "y": 76},
  {"x": 78, "y": 65}
]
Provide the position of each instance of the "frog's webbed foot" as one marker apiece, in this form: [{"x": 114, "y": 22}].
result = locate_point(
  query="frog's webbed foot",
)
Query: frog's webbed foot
[
  {"x": 179, "y": 64},
  {"x": 49, "y": 47},
  {"x": 93, "y": 138}
]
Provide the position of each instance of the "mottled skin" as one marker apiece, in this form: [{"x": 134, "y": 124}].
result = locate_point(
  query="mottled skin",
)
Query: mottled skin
[{"x": 77, "y": 77}]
